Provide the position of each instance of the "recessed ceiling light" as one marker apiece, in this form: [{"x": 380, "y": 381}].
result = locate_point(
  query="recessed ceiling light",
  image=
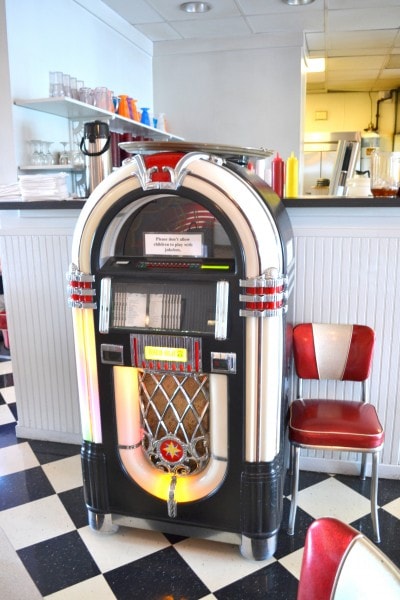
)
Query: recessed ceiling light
[
  {"x": 195, "y": 7},
  {"x": 297, "y": 2}
]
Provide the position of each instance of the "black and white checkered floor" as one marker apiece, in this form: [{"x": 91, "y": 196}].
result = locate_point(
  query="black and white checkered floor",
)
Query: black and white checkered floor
[{"x": 42, "y": 515}]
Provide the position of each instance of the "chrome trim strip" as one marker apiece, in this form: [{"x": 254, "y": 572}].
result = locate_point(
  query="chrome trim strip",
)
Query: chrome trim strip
[
  {"x": 221, "y": 310},
  {"x": 105, "y": 304}
]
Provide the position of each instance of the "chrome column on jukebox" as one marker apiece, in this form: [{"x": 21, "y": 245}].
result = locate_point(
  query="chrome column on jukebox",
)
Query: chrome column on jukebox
[{"x": 180, "y": 284}]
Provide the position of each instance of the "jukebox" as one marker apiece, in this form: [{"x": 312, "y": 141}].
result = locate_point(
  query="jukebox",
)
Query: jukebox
[{"x": 180, "y": 285}]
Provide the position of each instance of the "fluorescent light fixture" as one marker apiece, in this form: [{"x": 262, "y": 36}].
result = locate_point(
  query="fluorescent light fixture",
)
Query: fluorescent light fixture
[
  {"x": 297, "y": 2},
  {"x": 195, "y": 7},
  {"x": 315, "y": 65}
]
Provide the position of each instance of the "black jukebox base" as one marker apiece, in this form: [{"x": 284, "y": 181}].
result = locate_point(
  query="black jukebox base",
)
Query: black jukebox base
[{"x": 251, "y": 514}]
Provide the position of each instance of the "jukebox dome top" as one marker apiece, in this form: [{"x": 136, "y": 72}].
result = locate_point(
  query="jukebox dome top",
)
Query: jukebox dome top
[{"x": 234, "y": 153}]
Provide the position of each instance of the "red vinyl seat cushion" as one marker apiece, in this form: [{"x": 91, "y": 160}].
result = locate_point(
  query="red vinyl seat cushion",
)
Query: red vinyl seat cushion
[{"x": 335, "y": 423}]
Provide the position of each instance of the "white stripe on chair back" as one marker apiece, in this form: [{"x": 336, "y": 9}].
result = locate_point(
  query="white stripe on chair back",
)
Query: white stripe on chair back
[{"x": 331, "y": 361}]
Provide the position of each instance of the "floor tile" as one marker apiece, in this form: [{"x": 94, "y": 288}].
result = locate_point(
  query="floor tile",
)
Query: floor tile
[
  {"x": 6, "y": 379},
  {"x": 8, "y": 393},
  {"x": 267, "y": 583},
  {"x": 24, "y": 486},
  {"x": 390, "y": 534},
  {"x": 36, "y": 521},
  {"x": 163, "y": 574},
  {"x": 58, "y": 563},
  {"x": 6, "y": 367},
  {"x": 7, "y": 435},
  {"x": 331, "y": 498},
  {"x": 64, "y": 474},
  {"x": 74, "y": 503},
  {"x": 6, "y": 416},
  {"x": 47, "y": 452},
  {"x": 114, "y": 550},
  {"x": 17, "y": 458},
  {"x": 287, "y": 544},
  {"x": 393, "y": 508},
  {"x": 95, "y": 588},
  {"x": 217, "y": 564},
  {"x": 292, "y": 562}
]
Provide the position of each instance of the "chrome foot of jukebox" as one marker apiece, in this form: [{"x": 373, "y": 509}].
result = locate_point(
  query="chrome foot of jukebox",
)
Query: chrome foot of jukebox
[{"x": 102, "y": 523}]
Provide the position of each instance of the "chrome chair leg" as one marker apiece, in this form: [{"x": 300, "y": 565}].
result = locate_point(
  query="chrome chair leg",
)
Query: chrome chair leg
[
  {"x": 363, "y": 471},
  {"x": 374, "y": 497},
  {"x": 295, "y": 456}
]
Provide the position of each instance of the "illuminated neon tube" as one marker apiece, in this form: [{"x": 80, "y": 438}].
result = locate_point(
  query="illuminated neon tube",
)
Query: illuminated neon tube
[
  {"x": 86, "y": 364},
  {"x": 152, "y": 480}
]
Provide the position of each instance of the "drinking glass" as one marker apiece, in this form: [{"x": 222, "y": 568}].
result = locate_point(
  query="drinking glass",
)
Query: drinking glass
[
  {"x": 64, "y": 156},
  {"x": 35, "y": 156},
  {"x": 56, "y": 84},
  {"x": 67, "y": 85},
  {"x": 385, "y": 173},
  {"x": 86, "y": 95}
]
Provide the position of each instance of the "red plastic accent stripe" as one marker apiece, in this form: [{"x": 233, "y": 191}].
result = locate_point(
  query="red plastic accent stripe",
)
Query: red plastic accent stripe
[
  {"x": 359, "y": 360},
  {"x": 197, "y": 356},
  {"x": 304, "y": 351},
  {"x": 135, "y": 353},
  {"x": 163, "y": 159}
]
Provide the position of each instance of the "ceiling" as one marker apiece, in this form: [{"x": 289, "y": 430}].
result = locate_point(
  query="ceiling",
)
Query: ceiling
[{"x": 360, "y": 39}]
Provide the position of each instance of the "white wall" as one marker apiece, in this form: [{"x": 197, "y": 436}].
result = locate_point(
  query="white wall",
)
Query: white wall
[
  {"x": 64, "y": 36},
  {"x": 351, "y": 111},
  {"x": 246, "y": 97},
  {"x": 7, "y": 151}
]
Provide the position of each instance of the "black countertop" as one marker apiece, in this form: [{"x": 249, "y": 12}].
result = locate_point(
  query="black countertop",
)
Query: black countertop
[
  {"x": 340, "y": 201},
  {"x": 41, "y": 204},
  {"x": 300, "y": 202}
]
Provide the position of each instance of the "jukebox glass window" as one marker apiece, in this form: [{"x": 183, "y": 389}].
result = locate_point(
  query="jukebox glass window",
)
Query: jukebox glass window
[
  {"x": 174, "y": 226},
  {"x": 164, "y": 306}
]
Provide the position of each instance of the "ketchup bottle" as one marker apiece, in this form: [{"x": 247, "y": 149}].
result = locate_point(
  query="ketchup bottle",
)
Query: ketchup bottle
[{"x": 278, "y": 175}]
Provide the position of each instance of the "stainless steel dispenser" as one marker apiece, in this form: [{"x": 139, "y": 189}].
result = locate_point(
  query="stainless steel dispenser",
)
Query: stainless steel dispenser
[{"x": 95, "y": 145}]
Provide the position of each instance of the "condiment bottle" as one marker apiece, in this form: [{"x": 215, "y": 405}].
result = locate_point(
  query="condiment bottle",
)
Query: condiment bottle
[
  {"x": 278, "y": 175},
  {"x": 292, "y": 177}
]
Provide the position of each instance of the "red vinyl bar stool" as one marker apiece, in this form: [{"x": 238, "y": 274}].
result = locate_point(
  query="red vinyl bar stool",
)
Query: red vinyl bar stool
[
  {"x": 340, "y": 563},
  {"x": 4, "y": 329},
  {"x": 341, "y": 353}
]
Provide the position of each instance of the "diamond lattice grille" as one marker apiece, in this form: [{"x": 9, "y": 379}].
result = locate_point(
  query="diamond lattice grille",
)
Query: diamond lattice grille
[{"x": 176, "y": 406}]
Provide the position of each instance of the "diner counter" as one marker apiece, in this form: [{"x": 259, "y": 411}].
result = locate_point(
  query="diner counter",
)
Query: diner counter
[
  {"x": 347, "y": 269},
  {"x": 307, "y": 201}
]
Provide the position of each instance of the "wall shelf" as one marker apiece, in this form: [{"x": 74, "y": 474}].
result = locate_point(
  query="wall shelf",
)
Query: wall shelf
[{"x": 75, "y": 110}]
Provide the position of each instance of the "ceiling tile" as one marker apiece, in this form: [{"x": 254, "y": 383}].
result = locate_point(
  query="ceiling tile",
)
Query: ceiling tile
[
  {"x": 337, "y": 4},
  {"x": 363, "y": 19},
  {"x": 212, "y": 28},
  {"x": 158, "y": 32},
  {"x": 360, "y": 39},
  {"x": 134, "y": 12},
  {"x": 170, "y": 11},
  {"x": 356, "y": 63},
  {"x": 288, "y": 22},
  {"x": 262, "y": 7}
]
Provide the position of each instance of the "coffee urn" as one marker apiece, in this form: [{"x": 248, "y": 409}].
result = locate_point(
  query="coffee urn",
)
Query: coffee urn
[{"x": 95, "y": 145}]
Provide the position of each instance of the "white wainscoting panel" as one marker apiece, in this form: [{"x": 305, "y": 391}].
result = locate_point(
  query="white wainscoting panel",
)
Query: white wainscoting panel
[{"x": 35, "y": 251}]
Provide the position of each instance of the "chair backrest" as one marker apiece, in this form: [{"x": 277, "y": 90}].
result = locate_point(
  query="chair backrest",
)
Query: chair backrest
[
  {"x": 340, "y": 563},
  {"x": 333, "y": 351}
]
